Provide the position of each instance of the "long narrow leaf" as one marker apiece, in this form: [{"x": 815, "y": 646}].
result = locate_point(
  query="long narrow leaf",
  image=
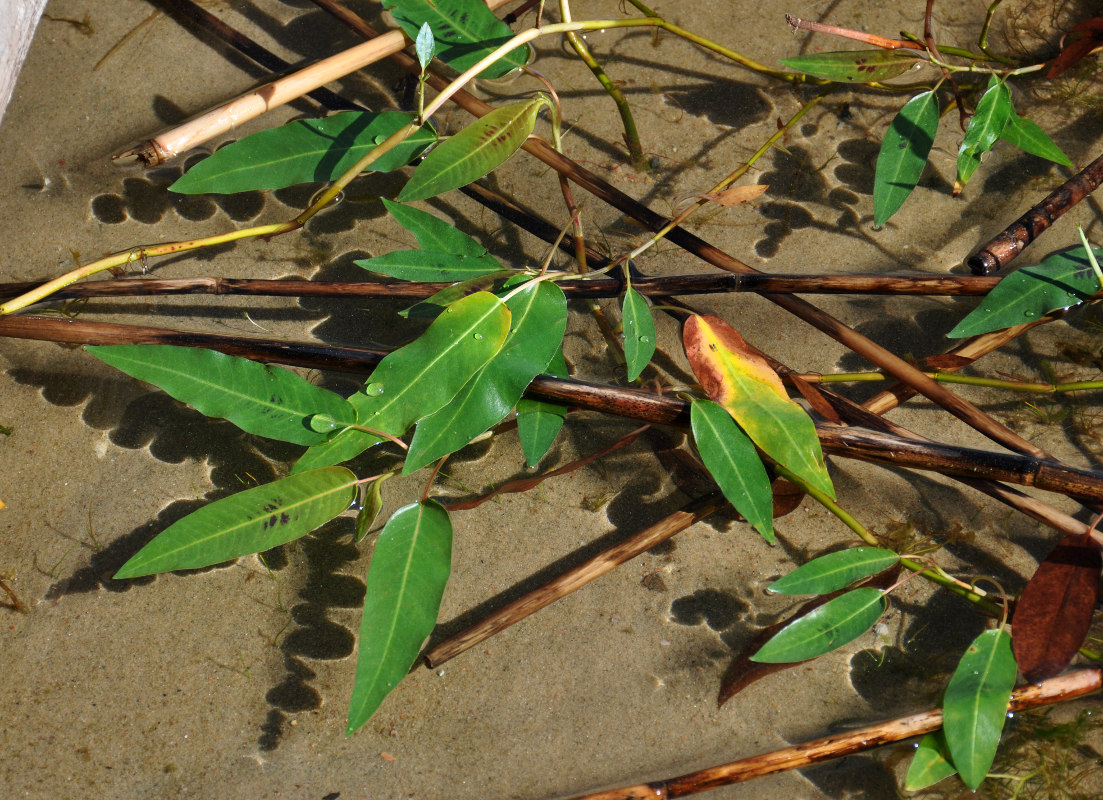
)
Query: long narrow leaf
[
  {"x": 473, "y": 152},
  {"x": 1063, "y": 279},
  {"x": 464, "y": 30},
  {"x": 903, "y": 155},
  {"x": 829, "y": 627},
  {"x": 261, "y": 399},
  {"x": 974, "y": 707},
  {"x": 740, "y": 380},
  {"x": 734, "y": 464},
  {"x": 430, "y": 266},
  {"x": 539, "y": 318},
  {"x": 420, "y": 377},
  {"x": 1028, "y": 137},
  {"x": 994, "y": 110},
  {"x": 639, "y": 332},
  {"x": 247, "y": 522},
  {"x": 409, "y": 570},
  {"x": 433, "y": 233},
  {"x": 930, "y": 764},
  {"x": 538, "y": 423},
  {"x": 304, "y": 151},
  {"x": 835, "y": 570},
  {"x": 854, "y": 66}
]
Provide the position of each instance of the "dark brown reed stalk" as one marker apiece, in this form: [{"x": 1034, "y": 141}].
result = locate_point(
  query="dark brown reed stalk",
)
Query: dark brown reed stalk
[
  {"x": 1055, "y": 690},
  {"x": 576, "y": 577},
  {"x": 999, "y": 252},
  {"x": 711, "y": 283},
  {"x": 632, "y": 403}
]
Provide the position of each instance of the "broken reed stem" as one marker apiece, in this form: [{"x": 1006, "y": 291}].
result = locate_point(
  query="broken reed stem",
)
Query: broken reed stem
[
  {"x": 1011, "y": 241},
  {"x": 1054, "y": 690},
  {"x": 237, "y": 112},
  {"x": 577, "y": 577},
  {"x": 632, "y": 403},
  {"x": 965, "y": 285},
  {"x": 800, "y": 308}
]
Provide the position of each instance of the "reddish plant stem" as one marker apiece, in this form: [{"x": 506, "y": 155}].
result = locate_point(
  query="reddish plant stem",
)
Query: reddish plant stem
[{"x": 867, "y": 38}]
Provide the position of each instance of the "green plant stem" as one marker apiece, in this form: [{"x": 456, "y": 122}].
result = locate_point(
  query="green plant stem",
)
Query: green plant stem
[
  {"x": 731, "y": 178},
  {"x": 937, "y": 576},
  {"x": 982, "y": 40},
  {"x": 631, "y": 134},
  {"x": 948, "y": 377}
]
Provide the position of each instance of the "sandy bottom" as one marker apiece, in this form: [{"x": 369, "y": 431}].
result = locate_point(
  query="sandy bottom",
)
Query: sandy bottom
[{"x": 233, "y": 681}]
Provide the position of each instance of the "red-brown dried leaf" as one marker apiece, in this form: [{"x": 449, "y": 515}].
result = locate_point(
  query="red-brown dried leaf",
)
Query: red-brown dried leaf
[
  {"x": 815, "y": 399},
  {"x": 943, "y": 361},
  {"x": 743, "y": 672},
  {"x": 1090, "y": 37},
  {"x": 787, "y": 497},
  {"x": 1055, "y": 610},
  {"x": 735, "y": 195}
]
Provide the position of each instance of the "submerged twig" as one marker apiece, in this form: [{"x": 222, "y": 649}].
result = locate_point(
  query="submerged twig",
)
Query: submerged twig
[
  {"x": 1054, "y": 690},
  {"x": 1011, "y": 241}
]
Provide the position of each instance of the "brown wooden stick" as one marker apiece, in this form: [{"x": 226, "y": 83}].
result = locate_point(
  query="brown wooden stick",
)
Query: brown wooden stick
[
  {"x": 999, "y": 252},
  {"x": 711, "y": 283},
  {"x": 886, "y": 360},
  {"x": 240, "y": 110},
  {"x": 1055, "y": 690},
  {"x": 577, "y": 577}
]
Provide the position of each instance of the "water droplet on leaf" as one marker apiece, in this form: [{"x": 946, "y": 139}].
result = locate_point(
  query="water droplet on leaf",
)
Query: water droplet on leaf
[
  {"x": 478, "y": 337},
  {"x": 320, "y": 423},
  {"x": 373, "y": 389}
]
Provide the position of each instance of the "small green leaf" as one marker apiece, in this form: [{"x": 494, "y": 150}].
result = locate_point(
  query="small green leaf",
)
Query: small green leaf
[
  {"x": 903, "y": 155},
  {"x": 261, "y": 399},
  {"x": 974, "y": 707},
  {"x": 465, "y": 32},
  {"x": 431, "y": 306},
  {"x": 834, "y": 571},
  {"x": 930, "y": 764},
  {"x": 473, "y": 152},
  {"x": 994, "y": 110},
  {"x": 425, "y": 46},
  {"x": 371, "y": 503},
  {"x": 1028, "y": 137},
  {"x": 1063, "y": 279},
  {"x": 734, "y": 464},
  {"x": 855, "y": 66},
  {"x": 429, "y": 266},
  {"x": 304, "y": 151},
  {"x": 420, "y": 377},
  {"x": 539, "y": 317},
  {"x": 538, "y": 423},
  {"x": 409, "y": 570},
  {"x": 434, "y": 233},
  {"x": 639, "y": 332},
  {"x": 247, "y": 522},
  {"x": 828, "y": 627}
]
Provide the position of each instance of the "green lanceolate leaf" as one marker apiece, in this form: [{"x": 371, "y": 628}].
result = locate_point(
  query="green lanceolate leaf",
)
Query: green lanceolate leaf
[
  {"x": 855, "y": 66},
  {"x": 425, "y": 46},
  {"x": 930, "y": 764},
  {"x": 739, "y": 379},
  {"x": 1028, "y": 137},
  {"x": 1062, "y": 280},
  {"x": 258, "y": 398},
  {"x": 434, "y": 233},
  {"x": 465, "y": 32},
  {"x": 734, "y": 464},
  {"x": 834, "y": 571},
  {"x": 903, "y": 155},
  {"x": 994, "y": 110},
  {"x": 639, "y": 332},
  {"x": 473, "y": 152},
  {"x": 538, "y": 423},
  {"x": 828, "y": 627},
  {"x": 974, "y": 707},
  {"x": 371, "y": 503},
  {"x": 304, "y": 151},
  {"x": 429, "y": 266},
  {"x": 247, "y": 522},
  {"x": 406, "y": 579},
  {"x": 539, "y": 318},
  {"x": 431, "y": 306},
  {"x": 419, "y": 377}
]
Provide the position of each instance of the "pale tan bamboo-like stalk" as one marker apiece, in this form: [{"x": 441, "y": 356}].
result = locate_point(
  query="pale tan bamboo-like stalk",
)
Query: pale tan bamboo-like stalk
[
  {"x": 1054, "y": 690},
  {"x": 248, "y": 106}
]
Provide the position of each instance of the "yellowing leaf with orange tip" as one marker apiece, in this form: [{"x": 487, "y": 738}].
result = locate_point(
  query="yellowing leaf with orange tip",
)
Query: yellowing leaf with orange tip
[{"x": 741, "y": 381}]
